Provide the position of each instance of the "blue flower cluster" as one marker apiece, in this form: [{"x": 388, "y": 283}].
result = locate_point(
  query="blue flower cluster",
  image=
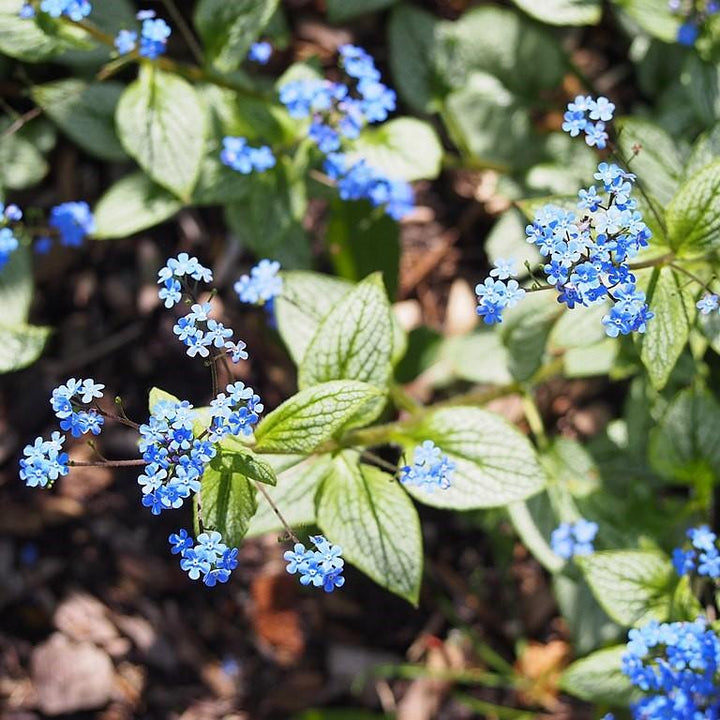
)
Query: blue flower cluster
[
  {"x": 676, "y": 664},
  {"x": 209, "y": 557},
  {"x": 154, "y": 34},
  {"x": 76, "y": 10},
  {"x": 588, "y": 251},
  {"x": 321, "y": 567},
  {"x": 8, "y": 241},
  {"x": 66, "y": 400},
  {"x": 431, "y": 468},
  {"x": 694, "y": 15},
  {"x": 234, "y": 413},
  {"x": 338, "y": 113},
  {"x": 497, "y": 293},
  {"x": 196, "y": 330},
  {"x": 703, "y": 557},
  {"x": 44, "y": 461},
  {"x": 580, "y": 114},
  {"x": 262, "y": 285},
  {"x": 73, "y": 221},
  {"x": 242, "y": 158},
  {"x": 260, "y": 52},
  {"x": 570, "y": 539},
  {"x": 175, "y": 458}
]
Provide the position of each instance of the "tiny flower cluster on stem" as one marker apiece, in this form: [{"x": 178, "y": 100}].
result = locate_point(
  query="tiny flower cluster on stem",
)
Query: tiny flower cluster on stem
[
  {"x": 209, "y": 557},
  {"x": 154, "y": 34},
  {"x": 431, "y": 468},
  {"x": 321, "y": 567},
  {"x": 574, "y": 539},
  {"x": 676, "y": 665},
  {"x": 579, "y": 118},
  {"x": 9, "y": 216},
  {"x": 338, "y": 112},
  {"x": 702, "y": 558}
]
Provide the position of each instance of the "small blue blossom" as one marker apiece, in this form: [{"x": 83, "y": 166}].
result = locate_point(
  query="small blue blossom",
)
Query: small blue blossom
[
  {"x": 12, "y": 212},
  {"x": 210, "y": 557},
  {"x": 73, "y": 221},
  {"x": 504, "y": 269},
  {"x": 44, "y": 461},
  {"x": 66, "y": 400},
  {"x": 234, "y": 412},
  {"x": 688, "y": 33},
  {"x": 262, "y": 285},
  {"x": 8, "y": 245},
  {"x": 573, "y": 539},
  {"x": 431, "y": 468},
  {"x": 707, "y": 304},
  {"x": 27, "y": 11},
  {"x": 260, "y": 52},
  {"x": 154, "y": 35},
  {"x": 321, "y": 567},
  {"x": 494, "y": 296},
  {"x": 74, "y": 9},
  {"x": 242, "y": 158},
  {"x": 125, "y": 41}
]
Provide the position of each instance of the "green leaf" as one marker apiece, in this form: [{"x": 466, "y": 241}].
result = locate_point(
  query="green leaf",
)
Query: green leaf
[
  {"x": 693, "y": 216},
  {"x": 229, "y": 28},
  {"x": 487, "y": 121},
  {"x": 598, "y": 678},
  {"x": 362, "y": 240},
  {"x": 16, "y": 287},
  {"x": 479, "y": 357},
  {"x": 658, "y": 164},
  {"x": 685, "y": 445},
  {"x": 532, "y": 520},
  {"x": 632, "y": 586},
  {"x": 317, "y": 415},
  {"x": 653, "y": 16},
  {"x": 368, "y": 514},
  {"x": 525, "y": 330},
  {"x": 21, "y": 163},
  {"x": 294, "y": 494},
  {"x": 563, "y": 12},
  {"x": 20, "y": 345},
  {"x": 161, "y": 123},
  {"x": 240, "y": 459},
  {"x": 701, "y": 82},
  {"x": 157, "y": 395},
  {"x": 405, "y": 148},
  {"x": 227, "y": 501},
  {"x": 132, "y": 204},
  {"x": 24, "y": 39},
  {"x": 705, "y": 151},
  {"x": 507, "y": 239},
  {"x": 85, "y": 113},
  {"x": 580, "y": 328},
  {"x": 415, "y": 36},
  {"x": 269, "y": 219},
  {"x": 667, "y": 333},
  {"x": 495, "y": 462},
  {"x": 340, "y": 11},
  {"x": 354, "y": 341},
  {"x": 306, "y": 299}
]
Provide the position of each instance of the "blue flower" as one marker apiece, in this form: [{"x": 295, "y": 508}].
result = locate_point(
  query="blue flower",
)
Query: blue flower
[
  {"x": 579, "y": 115},
  {"x": 125, "y": 41},
  {"x": 707, "y": 303},
  {"x": 702, "y": 538},
  {"x": 688, "y": 33},
  {"x": 44, "y": 461},
  {"x": 573, "y": 539},
  {"x": 260, "y": 52},
  {"x": 676, "y": 666},
  {"x": 27, "y": 11},
  {"x": 684, "y": 561},
  {"x": 8, "y": 245},
  {"x": 210, "y": 557},
  {"x": 494, "y": 296},
  {"x": 242, "y": 158},
  {"x": 73, "y": 221},
  {"x": 504, "y": 269},
  {"x": 321, "y": 567},
  {"x": 65, "y": 402},
  {"x": 431, "y": 468},
  {"x": 74, "y": 9},
  {"x": 154, "y": 35},
  {"x": 262, "y": 285}
]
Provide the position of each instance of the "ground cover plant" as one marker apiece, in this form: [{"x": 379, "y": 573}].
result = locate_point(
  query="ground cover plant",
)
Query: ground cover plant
[{"x": 360, "y": 359}]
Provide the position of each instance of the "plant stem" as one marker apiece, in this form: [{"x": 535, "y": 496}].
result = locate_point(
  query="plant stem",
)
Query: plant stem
[
  {"x": 185, "y": 31},
  {"x": 692, "y": 276},
  {"x": 659, "y": 260},
  {"x": 403, "y": 400},
  {"x": 107, "y": 463},
  {"x": 277, "y": 512},
  {"x": 532, "y": 415}
]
